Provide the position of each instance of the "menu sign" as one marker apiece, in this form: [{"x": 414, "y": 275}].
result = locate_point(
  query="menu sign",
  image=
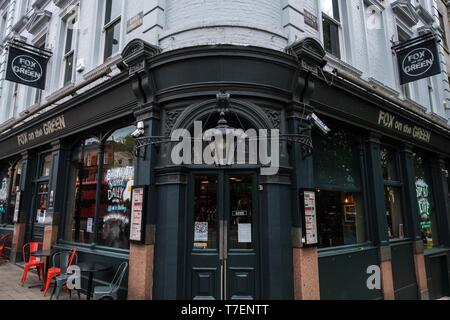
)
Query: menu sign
[
  {"x": 310, "y": 218},
  {"x": 137, "y": 214},
  {"x": 17, "y": 208}
]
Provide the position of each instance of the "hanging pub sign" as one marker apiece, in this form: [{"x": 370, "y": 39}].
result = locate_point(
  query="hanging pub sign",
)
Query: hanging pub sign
[
  {"x": 308, "y": 208},
  {"x": 418, "y": 58},
  {"x": 27, "y": 65}
]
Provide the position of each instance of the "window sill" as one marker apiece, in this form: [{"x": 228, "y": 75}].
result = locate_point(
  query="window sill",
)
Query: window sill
[
  {"x": 363, "y": 247},
  {"x": 95, "y": 249},
  {"x": 438, "y": 251}
]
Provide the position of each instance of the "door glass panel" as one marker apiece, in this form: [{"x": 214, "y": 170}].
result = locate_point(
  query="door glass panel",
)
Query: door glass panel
[
  {"x": 205, "y": 212},
  {"x": 241, "y": 213},
  {"x": 46, "y": 164},
  {"x": 41, "y": 205}
]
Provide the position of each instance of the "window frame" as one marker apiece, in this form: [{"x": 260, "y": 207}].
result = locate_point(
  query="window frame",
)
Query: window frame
[
  {"x": 107, "y": 26},
  {"x": 102, "y": 137},
  {"x": 399, "y": 185},
  {"x": 362, "y": 156},
  {"x": 339, "y": 27},
  {"x": 70, "y": 53}
]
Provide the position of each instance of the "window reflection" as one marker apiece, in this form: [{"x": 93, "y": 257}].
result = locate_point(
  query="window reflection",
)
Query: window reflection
[
  {"x": 82, "y": 193},
  {"x": 118, "y": 179},
  {"x": 337, "y": 174}
]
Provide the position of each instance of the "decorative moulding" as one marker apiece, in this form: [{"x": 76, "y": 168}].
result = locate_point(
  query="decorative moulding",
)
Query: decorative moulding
[
  {"x": 37, "y": 21},
  {"x": 424, "y": 15},
  {"x": 62, "y": 3},
  {"x": 406, "y": 12},
  {"x": 38, "y": 4}
]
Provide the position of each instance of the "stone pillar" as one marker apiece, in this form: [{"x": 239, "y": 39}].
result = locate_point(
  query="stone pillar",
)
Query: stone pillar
[
  {"x": 17, "y": 242},
  {"x": 306, "y": 274},
  {"x": 421, "y": 273},
  {"x": 141, "y": 267},
  {"x": 387, "y": 279}
]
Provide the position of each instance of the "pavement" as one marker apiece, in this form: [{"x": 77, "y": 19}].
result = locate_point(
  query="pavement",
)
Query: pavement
[{"x": 11, "y": 289}]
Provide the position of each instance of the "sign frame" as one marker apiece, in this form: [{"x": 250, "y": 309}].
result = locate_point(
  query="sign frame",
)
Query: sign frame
[
  {"x": 30, "y": 63},
  {"x": 142, "y": 210},
  {"x": 418, "y": 58},
  {"x": 309, "y": 237}
]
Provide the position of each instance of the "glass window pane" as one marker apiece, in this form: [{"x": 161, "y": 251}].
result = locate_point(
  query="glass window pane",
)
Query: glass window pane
[
  {"x": 113, "y": 10},
  {"x": 331, "y": 8},
  {"x": 69, "y": 39},
  {"x": 340, "y": 218},
  {"x": 112, "y": 38},
  {"x": 425, "y": 202},
  {"x": 69, "y": 69},
  {"x": 46, "y": 165},
  {"x": 205, "y": 213},
  {"x": 82, "y": 192},
  {"x": 118, "y": 179},
  {"x": 241, "y": 215},
  {"x": 389, "y": 165},
  {"x": 343, "y": 173},
  {"x": 4, "y": 187},
  {"x": 331, "y": 37},
  {"x": 41, "y": 203},
  {"x": 396, "y": 228}
]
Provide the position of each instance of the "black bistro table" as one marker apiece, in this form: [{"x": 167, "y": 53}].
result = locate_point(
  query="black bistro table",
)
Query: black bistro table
[
  {"x": 43, "y": 254},
  {"x": 92, "y": 267}
]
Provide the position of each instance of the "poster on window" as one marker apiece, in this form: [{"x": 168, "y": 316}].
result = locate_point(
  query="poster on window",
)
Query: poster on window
[
  {"x": 3, "y": 196},
  {"x": 424, "y": 209},
  {"x": 17, "y": 207},
  {"x": 119, "y": 184},
  {"x": 201, "y": 232}
]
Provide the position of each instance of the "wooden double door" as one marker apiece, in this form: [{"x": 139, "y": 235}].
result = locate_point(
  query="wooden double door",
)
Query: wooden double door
[{"x": 223, "y": 236}]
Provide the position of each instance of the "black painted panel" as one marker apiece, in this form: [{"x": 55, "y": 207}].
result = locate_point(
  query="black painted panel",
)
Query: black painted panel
[
  {"x": 242, "y": 283},
  {"x": 344, "y": 277},
  {"x": 204, "y": 283},
  {"x": 403, "y": 272}
]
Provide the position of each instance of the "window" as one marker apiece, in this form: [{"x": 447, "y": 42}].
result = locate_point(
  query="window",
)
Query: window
[
  {"x": 9, "y": 183},
  {"x": 69, "y": 50},
  {"x": 392, "y": 194},
  {"x": 118, "y": 175},
  {"x": 425, "y": 202},
  {"x": 82, "y": 192},
  {"x": 331, "y": 25},
  {"x": 112, "y": 27},
  {"x": 339, "y": 196},
  {"x": 104, "y": 220}
]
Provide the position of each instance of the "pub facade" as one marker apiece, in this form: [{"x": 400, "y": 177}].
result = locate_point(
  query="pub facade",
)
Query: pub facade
[{"x": 362, "y": 191}]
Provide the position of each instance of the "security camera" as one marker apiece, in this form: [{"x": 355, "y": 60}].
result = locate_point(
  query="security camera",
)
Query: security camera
[
  {"x": 139, "y": 131},
  {"x": 319, "y": 124}
]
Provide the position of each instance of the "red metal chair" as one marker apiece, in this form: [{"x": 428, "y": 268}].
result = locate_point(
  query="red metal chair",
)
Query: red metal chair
[
  {"x": 32, "y": 262},
  {"x": 56, "y": 271},
  {"x": 3, "y": 240}
]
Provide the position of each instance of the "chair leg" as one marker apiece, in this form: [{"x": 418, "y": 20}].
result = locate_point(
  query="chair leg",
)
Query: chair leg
[
  {"x": 24, "y": 275},
  {"x": 70, "y": 293},
  {"x": 39, "y": 271},
  {"x": 78, "y": 293},
  {"x": 54, "y": 290},
  {"x": 59, "y": 286}
]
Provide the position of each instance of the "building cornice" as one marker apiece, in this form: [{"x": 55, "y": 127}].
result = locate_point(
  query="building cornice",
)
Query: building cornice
[{"x": 406, "y": 12}]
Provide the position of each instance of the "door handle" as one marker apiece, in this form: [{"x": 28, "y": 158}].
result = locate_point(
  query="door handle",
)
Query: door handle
[
  {"x": 221, "y": 244},
  {"x": 225, "y": 240}
]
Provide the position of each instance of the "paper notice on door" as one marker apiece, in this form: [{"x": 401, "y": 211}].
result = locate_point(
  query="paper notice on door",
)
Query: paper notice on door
[
  {"x": 245, "y": 233},
  {"x": 201, "y": 232},
  {"x": 89, "y": 225}
]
